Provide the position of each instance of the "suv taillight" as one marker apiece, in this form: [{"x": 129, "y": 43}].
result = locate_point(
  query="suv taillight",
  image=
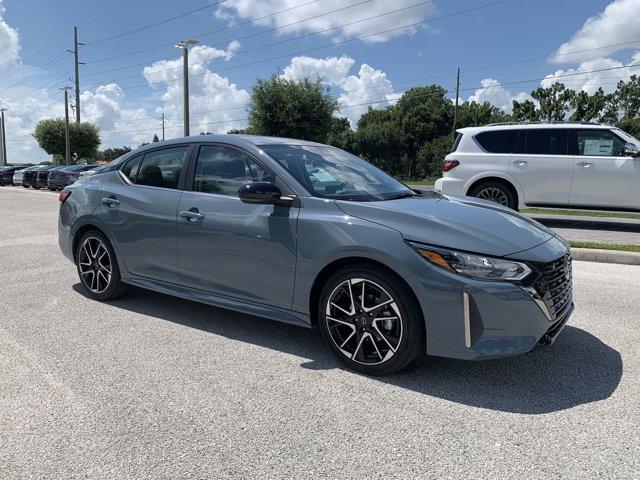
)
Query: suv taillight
[
  {"x": 449, "y": 165},
  {"x": 64, "y": 194}
]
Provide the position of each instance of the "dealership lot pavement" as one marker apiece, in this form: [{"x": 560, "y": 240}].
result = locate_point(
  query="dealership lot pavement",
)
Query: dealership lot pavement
[{"x": 155, "y": 387}]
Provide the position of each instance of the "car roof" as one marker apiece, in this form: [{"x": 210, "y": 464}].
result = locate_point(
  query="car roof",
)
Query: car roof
[
  {"x": 534, "y": 125},
  {"x": 231, "y": 139}
]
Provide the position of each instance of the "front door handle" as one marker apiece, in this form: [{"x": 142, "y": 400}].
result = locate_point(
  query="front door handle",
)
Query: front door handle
[
  {"x": 110, "y": 202},
  {"x": 191, "y": 215},
  {"x": 519, "y": 163},
  {"x": 585, "y": 164}
]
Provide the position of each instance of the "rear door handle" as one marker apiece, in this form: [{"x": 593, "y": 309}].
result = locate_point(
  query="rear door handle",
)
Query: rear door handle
[
  {"x": 585, "y": 164},
  {"x": 191, "y": 215},
  {"x": 520, "y": 163},
  {"x": 110, "y": 202}
]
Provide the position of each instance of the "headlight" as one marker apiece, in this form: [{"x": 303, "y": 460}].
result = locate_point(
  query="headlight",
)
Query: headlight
[{"x": 471, "y": 265}]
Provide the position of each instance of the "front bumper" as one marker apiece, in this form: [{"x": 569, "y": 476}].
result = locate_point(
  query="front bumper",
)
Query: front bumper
[{"x": 479, "y": 319}]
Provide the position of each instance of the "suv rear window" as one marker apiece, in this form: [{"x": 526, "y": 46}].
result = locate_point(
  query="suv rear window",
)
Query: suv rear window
[
  {"x": 547, "y": 142},
  {"x": 497, "y": 141}
]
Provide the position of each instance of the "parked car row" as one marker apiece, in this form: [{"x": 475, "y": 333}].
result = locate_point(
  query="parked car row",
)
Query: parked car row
[{"x": 53, "y": 177}]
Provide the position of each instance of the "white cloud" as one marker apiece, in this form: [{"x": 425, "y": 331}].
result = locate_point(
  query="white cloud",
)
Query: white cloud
[
  {"x": 332, "y": 70},
  {"x": 9, "y": 42},
  {"x": 493, "y": 92},
  {"x": 259, "y": 8},
  {"x": 217, "y": 105},
  {"x": 360, "y": 91},
  {"x": 592, "y": 74},
  {"x": 618, "y": 23}
]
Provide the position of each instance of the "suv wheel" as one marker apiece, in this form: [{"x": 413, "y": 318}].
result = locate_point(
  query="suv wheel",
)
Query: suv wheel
[
  {"x": 371, "y": 323},
  {"x": 98, "y": 268},
  {"x": 495, "y": 192}
]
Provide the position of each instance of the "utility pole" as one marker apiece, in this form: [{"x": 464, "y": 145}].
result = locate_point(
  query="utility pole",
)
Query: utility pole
[
  {"x": 3, "y": 134},
  {"x": 66, "y": 89},
  {"x": 455, "y": 111},
  {"x": 75, "y": 52},
  {"x": 184, "y": 45},
  {"x": 163, "y": 127}
]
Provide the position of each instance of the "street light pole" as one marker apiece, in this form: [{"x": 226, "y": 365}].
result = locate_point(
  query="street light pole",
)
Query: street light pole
[
  {"x": 3, "y": 134},
  {"x": 66, "y": 89},
  {"x": 184, "y": 45}
]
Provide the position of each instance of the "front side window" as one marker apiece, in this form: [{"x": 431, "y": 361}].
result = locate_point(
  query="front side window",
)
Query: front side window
[
  {"x": 599, "y": 143},
  {"x": 497, "y": 141},
  {"x": 329, "y": 172},
  {"x": 223, "y": 170},
  {"x": 162, "y": 168},
  {"x": 547, "y": 142}
]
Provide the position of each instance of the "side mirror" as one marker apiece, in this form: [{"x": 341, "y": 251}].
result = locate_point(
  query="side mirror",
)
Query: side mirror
[
  {"x": 264, "y": 193},
  {"x": 631, "y": 150}
]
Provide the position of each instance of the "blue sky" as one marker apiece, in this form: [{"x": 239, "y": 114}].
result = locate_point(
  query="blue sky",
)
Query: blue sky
[{"x": 117, "y": 95}]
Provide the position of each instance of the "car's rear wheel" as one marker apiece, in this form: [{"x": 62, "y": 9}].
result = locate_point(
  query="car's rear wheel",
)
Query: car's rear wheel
[
  {"x": 98, "y": 268},
  {"x": 370, "y": 321},
  {"x": 495, "y": 192}
]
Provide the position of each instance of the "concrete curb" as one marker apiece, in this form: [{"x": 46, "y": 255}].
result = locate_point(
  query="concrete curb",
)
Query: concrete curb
[{"x": 605, "y": 256}]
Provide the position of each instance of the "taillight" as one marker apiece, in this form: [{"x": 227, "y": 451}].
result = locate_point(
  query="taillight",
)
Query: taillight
[
  {"x": 64, "y": 194},
  {"x": 449, "y": 165}
]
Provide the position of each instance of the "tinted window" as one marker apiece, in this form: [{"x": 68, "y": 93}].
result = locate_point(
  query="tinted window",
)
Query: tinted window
[
  {"x": 456, "y": 142},
  {"x": 497, "y": 141},
  {"x": 162, "y": 168},
  {"x": 599, "y": 143},
  {"x": 224, "y": 170},
  {"x": 130, "y": 168},
  {"x": 547, "y": 142}
]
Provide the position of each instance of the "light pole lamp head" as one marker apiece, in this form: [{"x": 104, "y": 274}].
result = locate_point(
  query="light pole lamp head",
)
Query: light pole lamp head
[{"x": 186, "y": 43}]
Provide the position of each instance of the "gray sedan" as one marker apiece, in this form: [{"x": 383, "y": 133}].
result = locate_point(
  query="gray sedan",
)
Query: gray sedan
[{"x": 308, "y": 234}]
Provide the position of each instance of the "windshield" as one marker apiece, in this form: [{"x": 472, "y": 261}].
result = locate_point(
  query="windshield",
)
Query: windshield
[
  {"x": 328, "y": 172},
  {"x": 629, "y": 138}
]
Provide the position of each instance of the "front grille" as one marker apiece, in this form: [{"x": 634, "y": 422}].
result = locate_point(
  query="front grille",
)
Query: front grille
[{"x": 554, "y": 285}]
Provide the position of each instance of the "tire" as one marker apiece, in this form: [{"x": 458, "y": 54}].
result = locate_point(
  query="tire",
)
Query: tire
[
  {"x": 495, "y": 192},
  {"x": 98, "y": 268},
  {"x": 361, "y": 339}
]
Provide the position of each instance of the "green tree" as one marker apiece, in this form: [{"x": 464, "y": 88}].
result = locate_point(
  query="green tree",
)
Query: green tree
[
  {"x": 84, "y": 138},
  {"x": 474, "y": 114},
  {"x": 287, "y": 108},
  {"x": 381, "y": 142},
  {"x": 422, "y": 114},
  {"x": 627, "y": 98},
  {"x": 631, "y": 126},
  {"x": 554, "y": 101},
  {"x": 431, "y": 155},
  {"x": 111, "y": 153},
  {"x": 525, "y": 111},
  {"x": 155, "y": 138},
  {"x": 341, "y": 134},
  {"x": 587, "y": 107}
]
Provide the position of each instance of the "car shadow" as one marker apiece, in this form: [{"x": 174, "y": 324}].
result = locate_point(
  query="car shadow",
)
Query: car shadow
[{"x": 579, "y": 368}]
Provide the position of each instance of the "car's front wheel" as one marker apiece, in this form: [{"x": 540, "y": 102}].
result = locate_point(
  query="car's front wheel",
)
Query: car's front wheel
[
  {"x": 370, "y": 320},
  {"x": 97, "y": 267}
]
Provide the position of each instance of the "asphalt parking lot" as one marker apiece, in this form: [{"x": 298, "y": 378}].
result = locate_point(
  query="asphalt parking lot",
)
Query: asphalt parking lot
[{"x": 150, "y": 386}]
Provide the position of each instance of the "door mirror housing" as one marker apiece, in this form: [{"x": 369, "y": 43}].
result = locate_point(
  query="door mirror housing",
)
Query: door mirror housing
[
  {"x": 631, "y": 150},
  {"x": 262, "y": 193}
]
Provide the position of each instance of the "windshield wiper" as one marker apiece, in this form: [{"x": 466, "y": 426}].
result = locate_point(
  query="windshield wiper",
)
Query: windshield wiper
[{"x": 400, "y": 195}]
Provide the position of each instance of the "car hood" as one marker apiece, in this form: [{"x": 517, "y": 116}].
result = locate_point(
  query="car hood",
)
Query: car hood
[{"x": 461, "y": 223}]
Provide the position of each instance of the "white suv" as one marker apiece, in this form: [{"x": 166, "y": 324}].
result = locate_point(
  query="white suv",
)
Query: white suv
[{"x": 545, "y": 164}]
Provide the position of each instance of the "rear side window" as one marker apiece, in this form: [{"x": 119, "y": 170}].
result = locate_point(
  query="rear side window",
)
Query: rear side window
[
  {"x": 162, "y": 168},
  {"x": 497, "y": 141},
  {"x": 456, "y": 142},
  {"x": 224, "y": 170},
  {"x": 547, "y": 142},
  {"x": 130, "y": 168}
]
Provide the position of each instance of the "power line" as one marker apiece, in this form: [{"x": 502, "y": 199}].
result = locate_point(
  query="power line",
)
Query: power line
[
  {"x": 291, "y": 54},
  {"x": 151, "y": 25}
]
